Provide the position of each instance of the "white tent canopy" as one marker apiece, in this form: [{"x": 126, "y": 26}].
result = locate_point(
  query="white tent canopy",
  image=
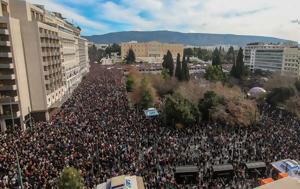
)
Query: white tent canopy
[{"x": 256, "y": 92}]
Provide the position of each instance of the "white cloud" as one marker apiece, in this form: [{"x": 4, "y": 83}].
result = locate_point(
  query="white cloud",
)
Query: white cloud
[
  {"x": 70, "y": 14},
  {"x": 251, "y": 17},
  {"x": 113, "y": 12}
]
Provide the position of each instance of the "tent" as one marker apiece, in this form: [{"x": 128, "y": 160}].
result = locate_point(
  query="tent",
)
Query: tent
[
  {"x": 282, "y": 175},
  {"x": 151, "y": 112},
  {"x": 289, "y": 166},
  {"x": 265, "y": 181},
  {"x": 256, "y": 92},
  {"x": 285, "y": 183}
]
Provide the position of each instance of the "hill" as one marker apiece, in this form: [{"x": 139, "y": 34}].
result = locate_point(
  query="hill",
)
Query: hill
[{"x": 194, "y": 39}]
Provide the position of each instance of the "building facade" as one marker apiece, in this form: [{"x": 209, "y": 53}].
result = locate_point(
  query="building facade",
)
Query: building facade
[
  {"x": 55, "y": 57},
  {"x": 279, "y": 58},
  {"x": 14, "y": 90},
  {"x": 151, "y": 52}
]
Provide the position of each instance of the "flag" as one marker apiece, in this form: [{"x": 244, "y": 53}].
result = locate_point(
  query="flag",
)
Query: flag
[{"x": 19, "y": 172}]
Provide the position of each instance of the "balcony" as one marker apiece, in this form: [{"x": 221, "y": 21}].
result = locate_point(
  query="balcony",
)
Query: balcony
[
  {"x": 56, "y": 45},
  {"x": 7, "y": 115},
  {"x": 47, "y": 81},
  {"x": 45, "y": 35},
  {"x": 43, "y": 44},
  {"x": 46, "y": 72},
  {"x": 8, "y": 99},
  {"x": 5, "y": 54},
  {"x": 55, "y": 53},
  {"x": 53, "y": 36},
  {"x": 69, "y": 50},
  {"x": 7, "y": 66},
  {"x": 5, "y": 43},
  {"x": 56, "y": 62},
  {"x": 46, "y": 54},
  {"x": 4, "y": 31},
  {"x": 8, "y": 87},
  {"x": 8, "y": 77}
]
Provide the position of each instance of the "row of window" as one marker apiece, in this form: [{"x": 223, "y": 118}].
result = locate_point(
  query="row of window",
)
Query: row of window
[
  {"x": 49, "y": 40},
  {"x": 37, "y": 16},
  {"x": 54, "y": 66},
  {"x": 291, "y": 65},
  {"x": 290, "y": 69},
  {"x": 52, "y": 49},
  {"x": 45, "y": 31},
  {"x": 57, "y": 94},
  {"x": 3, "y": 26},
  {"x": 291, "y": 60},
  {"x": 54, "y": 85}
]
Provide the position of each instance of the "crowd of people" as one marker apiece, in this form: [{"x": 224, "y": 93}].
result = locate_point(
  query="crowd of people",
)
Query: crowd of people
[{"x": 97, "y": 132}]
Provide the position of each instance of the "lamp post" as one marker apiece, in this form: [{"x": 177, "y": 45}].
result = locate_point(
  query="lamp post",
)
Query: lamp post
[
  {"x": 30, "y": 119},
  {"x": 19, "y": 172},
  {"x": 11, "y": 113}
]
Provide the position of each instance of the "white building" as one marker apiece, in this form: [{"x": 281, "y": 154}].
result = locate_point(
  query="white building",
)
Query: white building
[
  {"x": 272, "y": 57},
  {"x": 44, "y": 59}
]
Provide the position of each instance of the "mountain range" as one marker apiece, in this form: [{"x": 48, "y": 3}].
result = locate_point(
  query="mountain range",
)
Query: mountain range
[{"x": 193, "y": 39}]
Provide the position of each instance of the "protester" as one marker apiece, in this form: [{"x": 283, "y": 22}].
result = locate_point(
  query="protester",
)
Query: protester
[{"x": 98, "y": 133}]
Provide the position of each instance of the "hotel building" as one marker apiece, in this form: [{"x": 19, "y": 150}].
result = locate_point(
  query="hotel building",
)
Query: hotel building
[
  {"x": 151, "y": 52},
  {"x": 14, "y": 89},
  {"x": 47, "y": 58}
]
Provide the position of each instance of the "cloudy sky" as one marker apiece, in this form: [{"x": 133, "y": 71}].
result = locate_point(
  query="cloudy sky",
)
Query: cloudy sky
[{"x": 277, "y": 18}]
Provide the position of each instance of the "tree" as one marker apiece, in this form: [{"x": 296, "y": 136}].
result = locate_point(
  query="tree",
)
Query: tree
[
  {"x": 210, "y": 100},
  {"x": 142, "y": 94},
  {"x": 178, "y": 110},
  {"x": 238, "y": 69},
  {"x": 178, "y": 68},
  {"x": 204, "y": 54},
  {"x": 130, "y": 58},
  {"x": 188, "y": 52},
  {"x": 164, "y": 63},
  {"x": 185, "y": 69},
  {"x": 70, "y": 179},
  {"x": 216, "y": 60},
  {"x": 235, "y": 112},
  {"x": 215, "y": 73},
  {"x": 95, "y": 54},
  {"x": 230, "y": 55},
  {"x": 297, "y": 85},
  {"x": 129, "y": 83},
  {"x": 163, "y": 86},
  {"x": 147, "y": 100},
  {"x": 280, "y": 95},
  {"x": 114, "y": 48},
  {"x": 168, "y": 63}
]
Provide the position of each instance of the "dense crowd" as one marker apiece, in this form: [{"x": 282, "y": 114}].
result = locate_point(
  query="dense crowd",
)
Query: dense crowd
[{"x": 98, "y": 133}]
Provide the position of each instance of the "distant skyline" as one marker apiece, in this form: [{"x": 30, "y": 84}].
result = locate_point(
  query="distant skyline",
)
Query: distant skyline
[{"x": 275, "y": 18}]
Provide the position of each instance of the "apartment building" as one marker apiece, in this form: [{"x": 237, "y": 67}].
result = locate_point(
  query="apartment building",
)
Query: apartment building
[
  {"x": 14, "y": 91},
  {"x": 291, "y": 62},
  {"x": 282, "y": 58},
  {"x": 151, "y": 52},
  {"x": 55, "y": 57}
]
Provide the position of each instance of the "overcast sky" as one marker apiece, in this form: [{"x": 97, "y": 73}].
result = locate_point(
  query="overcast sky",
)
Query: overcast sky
[{"x": 277, "y": 18}]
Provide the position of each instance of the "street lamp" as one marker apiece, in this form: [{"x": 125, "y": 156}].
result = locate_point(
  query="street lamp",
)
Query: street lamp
[{"x": 11, "y": 113}]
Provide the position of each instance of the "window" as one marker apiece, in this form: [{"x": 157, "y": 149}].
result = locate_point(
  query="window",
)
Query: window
[
  {"x": 33, "y": 17},
  {"x": 4, "y": 9}
]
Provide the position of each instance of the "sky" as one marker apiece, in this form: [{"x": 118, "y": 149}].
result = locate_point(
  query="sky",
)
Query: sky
[{"x": 275, "y": 18}]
